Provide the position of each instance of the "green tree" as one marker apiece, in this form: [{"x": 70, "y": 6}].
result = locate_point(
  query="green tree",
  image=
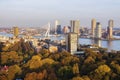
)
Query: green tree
[{"x": 65, "y": 72}]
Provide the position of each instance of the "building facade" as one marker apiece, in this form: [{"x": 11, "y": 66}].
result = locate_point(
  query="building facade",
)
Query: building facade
[
  {"x": 111, "y": 23},
  {"x": 98, "y": 32},
  {"x": 75, "y": 26},
  {"x": 15, "y": 32},
  {"x": 93, "y": 26},
  {"x": 71, "y": 42},
  {"x": 110, "y": 29},
  {"x": 57, "y": 24},
  {"x": 66, "y": 29},
  {"x": 59, "y": 30}
]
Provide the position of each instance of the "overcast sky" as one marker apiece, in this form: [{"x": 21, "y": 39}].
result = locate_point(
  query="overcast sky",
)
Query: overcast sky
[{"x": 36, "y": 13}]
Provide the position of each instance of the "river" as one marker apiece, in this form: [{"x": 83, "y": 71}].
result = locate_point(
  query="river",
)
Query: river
[{"x": 111, "y": 45}]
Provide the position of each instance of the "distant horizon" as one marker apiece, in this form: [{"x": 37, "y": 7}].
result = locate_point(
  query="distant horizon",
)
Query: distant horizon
[{"x": 37, "y": 13}]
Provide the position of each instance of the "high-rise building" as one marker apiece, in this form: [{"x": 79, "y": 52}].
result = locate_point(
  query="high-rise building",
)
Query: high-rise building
[
  {"x": 66, "y": 29},
  {"x": 57, "y": 23},
  {"x": 75, "y": 26},
  {"x": 97, "y": 42},
  {"x": 15, "y": 32},
  {"x": 71, "y": 42},
  {"x": 110, "y": 29},
  {"x": 109, "y": 32},
  {"x": 59, "y": 31},
  {"x": 111, "y": 23},
  {"x": 69, "y": 27},
  {"x": 98, "y": 32},
  {"x": 93, "y": 26}
]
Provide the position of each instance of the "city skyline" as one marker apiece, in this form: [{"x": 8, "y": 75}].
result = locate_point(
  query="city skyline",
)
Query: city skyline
[{"x": 36, "y": 13}]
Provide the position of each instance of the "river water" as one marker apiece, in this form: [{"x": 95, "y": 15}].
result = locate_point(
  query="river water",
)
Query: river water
[{"x": 111, "y": 45}]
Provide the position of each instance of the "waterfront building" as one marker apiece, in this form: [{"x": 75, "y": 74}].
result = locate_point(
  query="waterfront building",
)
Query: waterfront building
[
  {"x": 57, "y": 23},
  {"x": 111, "y": 23},
  {"x": 15, "y": 32},
  {"x": 65, "y": 29},
  {"x": 93, "y": 26},
  {"x": 75, "y": 26},
  {"x": 109, "y": 32},
  {"x": 110, "y": 29},
  {"x": 59, "y": 31},
  {"x": 98, "y": 32},
  {"x": 69, "y": 28},
  {"x": 71, "y": 42},
  {"x": 98, "y": 43}
]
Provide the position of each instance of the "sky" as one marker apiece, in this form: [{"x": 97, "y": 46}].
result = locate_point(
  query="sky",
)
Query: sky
[{"x": 37, "y": 13}]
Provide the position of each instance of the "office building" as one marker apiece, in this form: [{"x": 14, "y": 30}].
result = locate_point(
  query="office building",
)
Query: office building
[
  {"x": 71, "y": 42},
  {"x": 66, "y": 29},
  {"x": 110, "y": 29},
  {"x": 109, "y": 32},
  {"x": 93, "y": 26},
  {"x": 75, "y": 26},
  {"x": 98, "y": 43},
  {"x": 111, "y": 23},
  {"x": 98, "y": 32},
  {"x": 15, "y": 32},
  {"x": 59, "y": 31},
  {"x": 57, "y": 24}
]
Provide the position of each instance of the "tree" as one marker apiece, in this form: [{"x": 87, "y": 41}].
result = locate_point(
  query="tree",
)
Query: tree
[
  {"x": 76, "y": 69},
  {"x": 31, "y": 76},
  {"x": 100, "y": 72},
  {"x": 85, "y": 77},
  {"x": 77, "y": 78},
  {"x": 89, "y": 60},
  {"x": 103, "y": 69},
  {"x": 47, "y": 61},
  {"x": 65, "y": 72},
  {"x": 35, "y": 62},
  {"x": 12, "y": 71},
  {"x": 10, "y": 58},
  {"x": 22, "y": 47},
  {"x": 3, "y": 77},
  {"x": 69, "y": 60},
  {"x": 115, "y": 66}
]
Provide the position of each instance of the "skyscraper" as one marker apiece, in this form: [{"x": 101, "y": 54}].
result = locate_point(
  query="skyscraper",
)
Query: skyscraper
[
  {"x": 66, "y": 29},
  {"x": 93, "y": 26},
  {"x": 71, "y": 42},
  {"x": 111, "y": 23},
  {"x": 59, "y": 31},
  {"x": 97, "y": 42},
  {"x": 110, "y": 29},
  {"x": 75, "y": 26},
  {"x": 15, "y": 32},
  {"x": 98, "y": 32},
  {"x": 57, "y": 23},
  {"x": 109, "y": 32}
]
